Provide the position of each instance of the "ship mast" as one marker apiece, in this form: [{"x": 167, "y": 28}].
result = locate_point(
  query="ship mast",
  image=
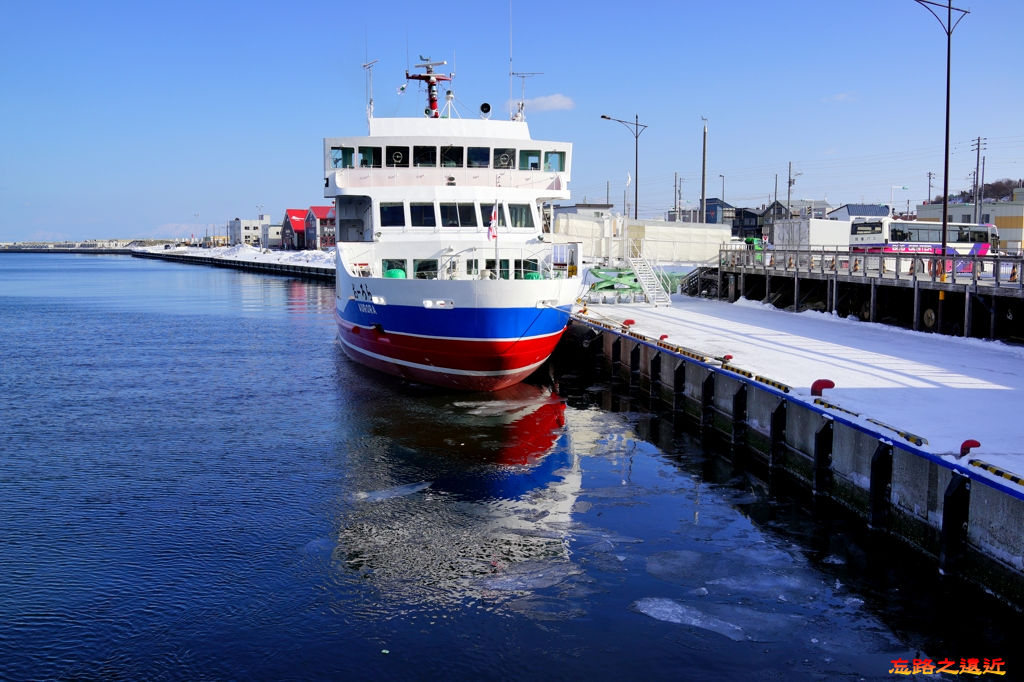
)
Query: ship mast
[
  {"x": 520, "y": 114},
  {"x": 369, "y": 87},
  {"x": 431, "y": 79}
]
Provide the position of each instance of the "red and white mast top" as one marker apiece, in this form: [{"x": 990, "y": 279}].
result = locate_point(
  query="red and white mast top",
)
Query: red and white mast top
[{"x": 431, "y": 79}]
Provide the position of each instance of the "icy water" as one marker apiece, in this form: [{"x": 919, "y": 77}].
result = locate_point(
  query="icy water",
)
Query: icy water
[{"x": 196, "y": 484}]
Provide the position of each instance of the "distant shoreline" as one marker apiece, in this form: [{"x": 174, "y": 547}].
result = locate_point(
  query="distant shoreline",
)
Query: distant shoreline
[{"x": 64, "y": 249}]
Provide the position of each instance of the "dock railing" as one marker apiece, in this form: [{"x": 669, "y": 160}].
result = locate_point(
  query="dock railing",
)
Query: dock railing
[{"x": 995, "y": 270}]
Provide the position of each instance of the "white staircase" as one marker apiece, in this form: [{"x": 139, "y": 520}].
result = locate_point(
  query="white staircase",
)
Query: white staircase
[{"x": 645, "y": 275}]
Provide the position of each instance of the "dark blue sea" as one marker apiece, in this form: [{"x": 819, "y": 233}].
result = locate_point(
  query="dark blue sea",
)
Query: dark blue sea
[{"x": 197, "y": 484}]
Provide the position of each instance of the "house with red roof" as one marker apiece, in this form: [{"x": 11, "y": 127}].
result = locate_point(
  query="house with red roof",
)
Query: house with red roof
[
  {"x": 320, "y": 227},
  {"x": 293, "y": 229}
]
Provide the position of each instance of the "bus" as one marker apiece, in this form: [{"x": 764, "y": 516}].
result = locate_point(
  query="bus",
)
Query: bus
[{"x": 885, "y": 235}]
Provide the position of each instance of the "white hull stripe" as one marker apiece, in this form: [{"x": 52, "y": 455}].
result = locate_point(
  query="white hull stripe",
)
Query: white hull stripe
[{"x": 441, "y": 370}]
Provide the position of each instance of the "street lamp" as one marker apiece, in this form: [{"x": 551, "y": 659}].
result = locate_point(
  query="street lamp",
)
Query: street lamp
[
  {"x": 636, "y": 127},
  {"x": 947, "y": 26},
  {"x": 892, "y": 208}
]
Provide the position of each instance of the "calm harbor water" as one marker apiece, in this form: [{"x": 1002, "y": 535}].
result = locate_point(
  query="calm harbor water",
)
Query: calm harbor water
[{"x": 197, "y": 484}]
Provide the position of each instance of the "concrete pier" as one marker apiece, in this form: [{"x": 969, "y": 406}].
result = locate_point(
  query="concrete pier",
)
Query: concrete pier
[
  {"x": 961, "y": 513},
  {"x": 288, "y": 269}
]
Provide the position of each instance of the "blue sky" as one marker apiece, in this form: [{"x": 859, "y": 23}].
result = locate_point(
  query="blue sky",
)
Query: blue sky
[{"x": 127, "y": 119}]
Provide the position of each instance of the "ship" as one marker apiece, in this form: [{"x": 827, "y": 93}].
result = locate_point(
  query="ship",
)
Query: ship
[{"x": 446, "y": 274}]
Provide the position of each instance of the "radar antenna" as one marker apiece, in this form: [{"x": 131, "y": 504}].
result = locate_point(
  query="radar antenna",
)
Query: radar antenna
[{"x": 520, "y": 114}]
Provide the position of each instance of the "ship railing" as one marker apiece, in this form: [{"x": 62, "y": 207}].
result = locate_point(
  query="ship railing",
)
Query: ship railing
[
  {"x": 996, "y": 270},
  {"x": 547, "y": 261}
]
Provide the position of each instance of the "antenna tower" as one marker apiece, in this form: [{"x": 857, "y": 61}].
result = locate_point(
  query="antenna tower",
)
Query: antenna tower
[
  {"x": 520, "y": 114},
  {"x": 369, "y": 87}
]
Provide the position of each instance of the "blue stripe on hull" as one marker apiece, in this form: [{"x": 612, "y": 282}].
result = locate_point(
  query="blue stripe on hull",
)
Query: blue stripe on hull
[{"x": 472, "y": 323}]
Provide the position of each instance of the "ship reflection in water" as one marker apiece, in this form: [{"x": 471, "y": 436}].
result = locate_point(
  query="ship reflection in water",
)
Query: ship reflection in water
[
  {"x": 530, "y": 513},
  {"x": 455, "y": 495}
]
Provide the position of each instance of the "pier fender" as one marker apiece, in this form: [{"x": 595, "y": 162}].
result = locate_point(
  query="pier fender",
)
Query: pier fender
[
  {"x": 823, "y": 474},
  {"x": 818, "y": 386},
  {"x": 880, "y": 487},
  {"x": 956, "y": 503}
]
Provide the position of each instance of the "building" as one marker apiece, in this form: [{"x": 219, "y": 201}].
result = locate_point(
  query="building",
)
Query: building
[
  {"x": 717, "y": 212},
  {"x": 611, "y": 238},
  {"x": 320, "y": 227},
  {"x": 850, "y": 211},
  {"x": 247, "y": 231},
  {"x": 293, "y": 229},
  {"x": 270, "y": 236},
  {"x": 809, "y": 208},
  {"x": 747, "y": 223},
  {"x": 1008, "y": 216}
]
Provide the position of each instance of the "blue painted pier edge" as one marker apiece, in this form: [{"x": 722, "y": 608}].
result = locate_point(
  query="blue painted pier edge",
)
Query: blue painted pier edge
[{"x": 969, "y": 522}]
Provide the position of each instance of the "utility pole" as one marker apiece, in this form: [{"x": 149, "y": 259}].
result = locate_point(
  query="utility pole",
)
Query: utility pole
[
  {"x": 789, "y": 186},
  {"x": 679, "y": 196},
  {"x": 981, "y": 192},
  {"x": 675, "y": 196},
  {"x": 977, "y": 146},
  {"x": 930, "y": 176},
  {"x": 704, "y": 175}
]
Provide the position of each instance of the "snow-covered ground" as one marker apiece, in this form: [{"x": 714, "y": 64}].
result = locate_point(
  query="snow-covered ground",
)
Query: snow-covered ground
[
  {"x": 943, "y": 388},
  {"x": 243, "y": 252}
]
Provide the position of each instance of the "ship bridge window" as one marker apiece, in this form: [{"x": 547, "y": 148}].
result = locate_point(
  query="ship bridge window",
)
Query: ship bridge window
[
  {"x": 341, "y": 157},
  {"x": 422, "y": 215},
  {"x": 451, "y": 157},
  {"x": 369, "y": 157},
  {"x": 520, "y": 215},
  {"x": 424, "y": 157},
  {"x": 504, "y": 157},
  {"x": 554, "y": 161},
  {"x": 392, "y": 214},
  {"x": 396, "y": 157},
  {"x": 485, "y": 214},
  {"x": 529, "y": 159},
  {"x": 479, "y": 157},
  {"x": 458, "y": 215}
]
